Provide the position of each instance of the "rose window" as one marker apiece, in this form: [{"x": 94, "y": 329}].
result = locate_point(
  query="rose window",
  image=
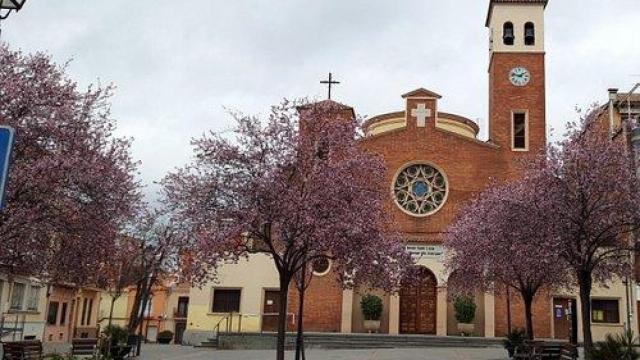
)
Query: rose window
[{"x": 420, "y": 189}]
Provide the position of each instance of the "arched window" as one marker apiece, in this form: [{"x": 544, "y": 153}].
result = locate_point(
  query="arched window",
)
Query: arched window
[
  {"x": 507, "y": 33},
  {"x": 529, "y": 34}
]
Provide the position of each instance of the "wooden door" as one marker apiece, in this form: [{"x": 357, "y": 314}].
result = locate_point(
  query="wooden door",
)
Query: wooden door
[
  {"x": 179, "y": 332},
  {"x": 270, "y": 310},
  {"x": 563, "y": 318},
  {"x": 418, "y": 305}
]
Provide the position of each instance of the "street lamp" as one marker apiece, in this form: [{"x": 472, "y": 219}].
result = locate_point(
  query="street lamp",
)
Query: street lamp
[{"x": 10, "y": 5}]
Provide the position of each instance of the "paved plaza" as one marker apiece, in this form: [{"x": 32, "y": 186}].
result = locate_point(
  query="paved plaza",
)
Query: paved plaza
[{"x": 174, "y": 352}]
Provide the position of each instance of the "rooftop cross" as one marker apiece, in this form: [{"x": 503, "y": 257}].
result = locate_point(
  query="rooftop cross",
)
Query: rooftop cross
[{"x": 329, "y": 82}]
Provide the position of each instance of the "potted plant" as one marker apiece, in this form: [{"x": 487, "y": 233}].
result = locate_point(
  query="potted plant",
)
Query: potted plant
[
  {"x": 465, "y": 313},
  {"x": 116, "y": 346},
  {"x": 515, "y": 338},
  {"x": 371, "y": 306},
  {"x": 164, "y": 337}
]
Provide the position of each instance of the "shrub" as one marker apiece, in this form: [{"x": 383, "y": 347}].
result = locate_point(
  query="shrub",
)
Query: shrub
[
  {"x": 371, "y": 307},
  {"x": 465, "y": 309},
  {"x": 620, "y": 346},
  {"x": 165, "y": 334},
  {"x": 515, "y": 338},
  {"x": 117, "y": 334}
]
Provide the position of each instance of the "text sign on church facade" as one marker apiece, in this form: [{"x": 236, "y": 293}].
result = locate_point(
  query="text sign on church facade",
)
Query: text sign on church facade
[{"x": 425, "y": 251}]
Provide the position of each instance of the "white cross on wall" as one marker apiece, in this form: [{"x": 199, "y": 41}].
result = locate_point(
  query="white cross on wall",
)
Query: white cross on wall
[{"x": 421, "y": 113}]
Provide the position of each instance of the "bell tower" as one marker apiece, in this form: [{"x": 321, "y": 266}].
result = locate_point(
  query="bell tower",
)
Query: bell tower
[{"x": 517, "y": 76}]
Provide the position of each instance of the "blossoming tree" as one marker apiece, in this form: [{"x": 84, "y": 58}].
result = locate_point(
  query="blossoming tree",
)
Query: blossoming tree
[
  {"x": 72, "y": 184},
  {"x": 502, "y": 238},
  {"x": 596, "y": 207},
  {"x": 298, "y": 187}
]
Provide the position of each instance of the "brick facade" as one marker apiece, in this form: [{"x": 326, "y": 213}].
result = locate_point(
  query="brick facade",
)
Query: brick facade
[{"x": 469, "y": 166}]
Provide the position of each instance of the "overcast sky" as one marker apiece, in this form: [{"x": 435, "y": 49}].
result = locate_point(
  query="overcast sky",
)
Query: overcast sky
[{"x": 177, "y": 67}]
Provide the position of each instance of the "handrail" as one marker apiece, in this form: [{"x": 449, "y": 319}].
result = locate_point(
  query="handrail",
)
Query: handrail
[{"x": 228, "y": 319}]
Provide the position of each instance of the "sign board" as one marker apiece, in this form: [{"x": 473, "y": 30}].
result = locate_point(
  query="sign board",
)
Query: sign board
[
  {"x": 6, "y": 144},
  {"x": 425, "y": 251}
]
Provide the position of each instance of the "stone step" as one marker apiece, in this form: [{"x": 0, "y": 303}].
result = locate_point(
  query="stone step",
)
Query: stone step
[{"x": 351, "y": 341}]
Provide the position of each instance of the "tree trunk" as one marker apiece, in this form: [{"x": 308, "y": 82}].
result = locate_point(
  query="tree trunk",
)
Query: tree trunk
[
  {"x": 528, "y": 315},
  {"x": 508, "y": 310},
  {"x": 585, "y": 284},
  {"x": 285, "y": 280},
  {"x": 134, "y": 315},
  {"x": 113, "y": 301},
  {"x": 299, "y": 334},
  {"x": 110, "y": 342}
]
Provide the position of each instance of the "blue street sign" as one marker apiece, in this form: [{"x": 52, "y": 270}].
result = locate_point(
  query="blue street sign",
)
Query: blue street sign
[{"x": 6, "y": 144}]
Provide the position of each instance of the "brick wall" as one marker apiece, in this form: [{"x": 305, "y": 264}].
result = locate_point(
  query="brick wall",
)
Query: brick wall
[{"x": 323, "y": 304}]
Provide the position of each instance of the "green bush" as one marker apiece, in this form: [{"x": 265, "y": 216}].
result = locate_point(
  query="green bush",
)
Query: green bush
[
  {"x": 118, "y": 334},
  {"x": 371, "y": 307},
  {"x": 620, "y": 346},
  {"x": 165, "y": 334},
  {"x": 465, "y": 309},
  {"x": 515, "y": 338}
]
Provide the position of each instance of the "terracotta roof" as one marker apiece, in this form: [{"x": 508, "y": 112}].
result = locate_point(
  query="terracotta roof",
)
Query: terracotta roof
[
  {"x": 443, "y": 115},
  {"x": 461, "y": 119},
  {"x": 381, "y": 117},
  {"x": 491, "y": 2},
  {"x": 421, "y": 92}
]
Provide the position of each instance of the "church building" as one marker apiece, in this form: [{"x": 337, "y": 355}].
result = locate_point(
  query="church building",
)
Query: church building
[{"x": 435, "y": 163}]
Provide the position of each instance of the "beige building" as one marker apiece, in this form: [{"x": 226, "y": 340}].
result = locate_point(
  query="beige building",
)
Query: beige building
[{"x": 22, "y": 307}]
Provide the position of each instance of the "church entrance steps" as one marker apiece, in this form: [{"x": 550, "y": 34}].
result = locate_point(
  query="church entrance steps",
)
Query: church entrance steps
[{"x": 348, "y": 341}]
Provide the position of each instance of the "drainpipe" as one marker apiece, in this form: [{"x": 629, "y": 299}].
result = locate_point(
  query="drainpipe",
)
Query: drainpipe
[{"x": 634, "y": 127}]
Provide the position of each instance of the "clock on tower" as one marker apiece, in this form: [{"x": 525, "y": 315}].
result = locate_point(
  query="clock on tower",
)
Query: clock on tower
[{"x": 517, "y": 76}]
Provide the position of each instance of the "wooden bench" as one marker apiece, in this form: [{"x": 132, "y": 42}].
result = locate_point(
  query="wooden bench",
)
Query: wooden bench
[
  {"x": 539, "y": 350},
  {"x": 22, "y": 350},
  {"x": 569, "y": 352},
  {"x": 84, "y": 346}
]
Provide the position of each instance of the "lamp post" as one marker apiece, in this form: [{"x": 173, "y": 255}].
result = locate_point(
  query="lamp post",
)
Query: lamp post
[{"x": 7, "y": 6}]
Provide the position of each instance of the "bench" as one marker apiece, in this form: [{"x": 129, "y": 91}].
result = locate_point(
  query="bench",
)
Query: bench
[
  {"x": 569, "y": 352},
  {"x": 22, "y": 350},
  {"x": 84, "y": 346},
  {"x": 539, "y": 350}
]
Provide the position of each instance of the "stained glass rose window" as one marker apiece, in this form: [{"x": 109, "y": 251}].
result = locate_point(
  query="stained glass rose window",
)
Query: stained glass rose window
[{"x": 420, "y": 189}]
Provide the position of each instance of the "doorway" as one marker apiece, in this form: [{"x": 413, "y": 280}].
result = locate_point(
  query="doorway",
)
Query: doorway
[
  {"x": 565, "y": 323},
  {"x": 270, "y": 309},
  {"x": 418, "y": 304},
  {"x": 179, "y": 332}
]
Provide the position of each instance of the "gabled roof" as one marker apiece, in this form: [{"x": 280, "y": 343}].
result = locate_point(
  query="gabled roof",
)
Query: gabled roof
[
  {"x": 421, "y": 92},
  {"x": 492, "y": 2}
]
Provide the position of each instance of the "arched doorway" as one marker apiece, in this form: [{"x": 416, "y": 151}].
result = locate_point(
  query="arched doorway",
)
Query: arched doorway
[{"x": 418, "y": 303}]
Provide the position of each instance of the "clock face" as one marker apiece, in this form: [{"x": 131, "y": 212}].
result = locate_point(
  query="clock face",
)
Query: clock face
[{"x": 519, "y": 76}]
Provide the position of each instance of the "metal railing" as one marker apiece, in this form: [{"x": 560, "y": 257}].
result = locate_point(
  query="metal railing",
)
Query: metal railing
[{"x": 232, "y": 322}]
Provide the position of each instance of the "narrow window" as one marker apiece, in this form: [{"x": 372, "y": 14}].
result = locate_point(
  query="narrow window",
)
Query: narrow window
[
  {"x": 529, "y": 34},
  {"x": 226, "y": 301},
  {"x": 519, "y": 131},
  {"x": 63, "y": 314},
  {"x": 52, "y": 316},
  {"x": 34, "y": 298},
  {"x": 17, "y": 296},
  {"x": 605, "y": 311},
  {"x": 507, "y": 33},
  {"x": 89, "y": 311},
  {"x": 183, "y": 307},
  {"x": 84, "y": 311}
]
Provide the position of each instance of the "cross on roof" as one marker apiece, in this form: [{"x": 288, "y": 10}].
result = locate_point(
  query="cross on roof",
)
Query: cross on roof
[{"x": 329, "y": 83}]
